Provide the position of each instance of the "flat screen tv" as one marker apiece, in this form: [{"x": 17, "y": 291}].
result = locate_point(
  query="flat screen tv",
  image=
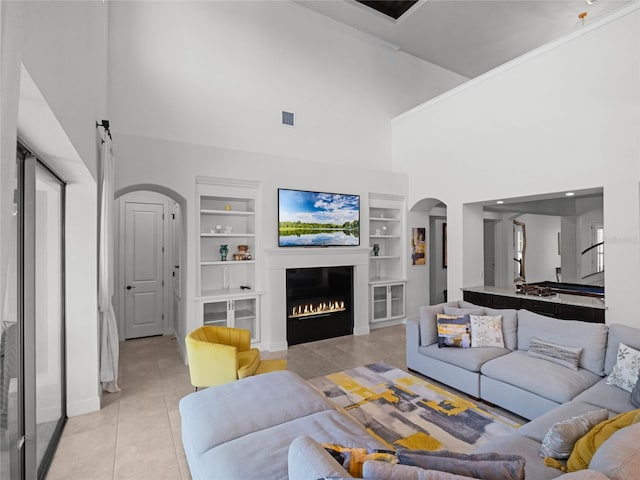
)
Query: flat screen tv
[{"x": 317, "y": 219}]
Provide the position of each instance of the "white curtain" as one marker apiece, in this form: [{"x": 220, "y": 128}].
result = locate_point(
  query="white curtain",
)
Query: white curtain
[{"x": 109, "y": 348}]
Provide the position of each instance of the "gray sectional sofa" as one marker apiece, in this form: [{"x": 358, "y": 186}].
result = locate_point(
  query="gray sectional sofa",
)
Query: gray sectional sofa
[
  {"x": 272, "y": 426},
  {"x": 534, "y": 388}
]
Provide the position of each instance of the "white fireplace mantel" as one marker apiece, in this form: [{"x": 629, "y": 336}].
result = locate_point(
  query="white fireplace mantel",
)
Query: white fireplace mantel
[{"x": 280, "y": 259}]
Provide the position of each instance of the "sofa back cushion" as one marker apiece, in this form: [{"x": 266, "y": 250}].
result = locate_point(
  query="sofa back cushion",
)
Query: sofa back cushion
[
  {"x": 619, "y": 334},
  {"x": 592, "y": 337},
  {"x": 428, "y": 324}
]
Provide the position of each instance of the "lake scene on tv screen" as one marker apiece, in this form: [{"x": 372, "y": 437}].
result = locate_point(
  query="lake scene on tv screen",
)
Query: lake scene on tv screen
[{"x": 316, "y": 219}]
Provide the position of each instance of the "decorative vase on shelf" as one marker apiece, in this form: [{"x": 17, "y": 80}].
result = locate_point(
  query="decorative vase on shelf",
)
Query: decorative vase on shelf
[
  {"x": 376, "y": 249},
  {"x": 224, "y": 250}
]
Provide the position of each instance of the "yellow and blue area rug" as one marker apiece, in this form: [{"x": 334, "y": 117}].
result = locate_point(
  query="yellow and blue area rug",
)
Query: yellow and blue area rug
[{"x": 406, "y": 411}]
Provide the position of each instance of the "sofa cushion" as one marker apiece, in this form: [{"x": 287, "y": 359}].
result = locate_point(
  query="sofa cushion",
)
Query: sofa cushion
[
  {"x": 562, "y": 436},
  {"x": 448, "y": 310},
  {"x": 231, "y": 407},
  {"x": 428, "y": 325},
  {"x": 619, "y": 457},
  {"x": 619, "y": 334},
  {"x": 584, "y": 475},
  {"x": 526, "y": 447},
  {"x": 488, "y": 466},
  {"x": 468, "y": 358},
  {"x": 573, "y": 333},
  {"x": 268, "y": 449},
  {"x": 635, "y": 394},
  {"x": 486, "y": 331},
  {"x": 308, "y": 460},
  {"x": 606, "y": 396},
  {"x": 539, "y": 376},
  {"x": 375, "y": 470},
  {"x": 625, "y": 372},
  {"x": 560, "y": 354}
]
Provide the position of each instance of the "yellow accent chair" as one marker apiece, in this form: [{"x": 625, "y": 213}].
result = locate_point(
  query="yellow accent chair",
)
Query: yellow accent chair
[{"x": 219, "y": 355}]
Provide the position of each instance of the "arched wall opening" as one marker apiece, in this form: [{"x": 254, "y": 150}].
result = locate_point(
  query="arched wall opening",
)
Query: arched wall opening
[
  {"x": 175, "y": 265},
  {"x": 431, "y": 282}
]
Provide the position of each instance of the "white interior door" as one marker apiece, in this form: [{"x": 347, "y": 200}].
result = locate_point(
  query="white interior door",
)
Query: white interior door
[
  {"x": 175, "y": 232},
  {"x": 144, "y": 254}
]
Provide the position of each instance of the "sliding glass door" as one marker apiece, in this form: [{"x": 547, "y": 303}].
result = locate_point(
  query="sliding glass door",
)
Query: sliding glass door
[
  {"x": 49, "y": 314},
  {"x": 11, "y": 425},
  {"x": 32, "y": 399}
]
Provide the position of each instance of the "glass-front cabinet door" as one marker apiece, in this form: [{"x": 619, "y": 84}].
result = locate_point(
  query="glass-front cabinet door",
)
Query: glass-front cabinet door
[
  {"x": 241, "y": 312},
  {"x": 396, "y": 293},
  {"x": 380, "y": 303}
]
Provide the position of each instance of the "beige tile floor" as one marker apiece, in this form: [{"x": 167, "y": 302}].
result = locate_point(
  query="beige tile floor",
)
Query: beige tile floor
[{"x": 136, "y": 435}]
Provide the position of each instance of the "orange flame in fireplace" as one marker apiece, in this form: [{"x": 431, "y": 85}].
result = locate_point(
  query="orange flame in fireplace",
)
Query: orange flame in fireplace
[{"x": 316, "y": 309}]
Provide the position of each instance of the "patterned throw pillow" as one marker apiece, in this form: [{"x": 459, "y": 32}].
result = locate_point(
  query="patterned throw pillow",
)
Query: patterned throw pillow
[
  {"x": 453, "y": 331},
  {"x": 562, "y": 436},
  {"x": 561, "y": 354},
  {"x": 486, "y": 331},
  {"x": 353, "y": 458},
  {"x": 625, "y": 371}
]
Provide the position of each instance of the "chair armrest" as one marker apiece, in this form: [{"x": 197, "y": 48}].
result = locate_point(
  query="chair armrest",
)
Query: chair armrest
[{"x": 211, "y": 363}]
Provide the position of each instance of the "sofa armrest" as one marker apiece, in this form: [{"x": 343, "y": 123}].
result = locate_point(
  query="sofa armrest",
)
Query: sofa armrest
[
  {"x": 308, "y": 460},
  {"x": 413, "y": 333}
]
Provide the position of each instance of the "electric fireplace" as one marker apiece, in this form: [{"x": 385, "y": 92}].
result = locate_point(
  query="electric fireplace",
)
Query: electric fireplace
[{"x": 319, "y": 303}]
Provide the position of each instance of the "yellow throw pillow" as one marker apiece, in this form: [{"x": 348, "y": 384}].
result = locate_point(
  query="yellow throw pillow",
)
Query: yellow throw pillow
[
  {"x": 586, "y": 447},
  {"x": 352, "y": 459}
]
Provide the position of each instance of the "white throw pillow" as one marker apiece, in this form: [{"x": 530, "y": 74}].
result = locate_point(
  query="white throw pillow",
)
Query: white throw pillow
[
  {"x": 625, "y": 372},
  {"x": 486, "y": 331}
]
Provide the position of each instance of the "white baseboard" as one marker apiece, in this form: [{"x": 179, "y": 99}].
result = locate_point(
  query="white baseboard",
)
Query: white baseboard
[
  {"x": 278, "y": 346},
  {"x": 81, "y": 407},
  {"x": 365, "y": 330}
]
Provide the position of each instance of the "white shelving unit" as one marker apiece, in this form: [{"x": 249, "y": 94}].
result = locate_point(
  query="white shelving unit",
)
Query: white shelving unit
[
  {"x": 229, "y": 215},
  {"x": 387, "y": 261}
]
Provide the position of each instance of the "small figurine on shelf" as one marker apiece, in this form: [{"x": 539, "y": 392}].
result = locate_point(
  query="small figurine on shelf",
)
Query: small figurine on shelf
[
  {"x": 224, "y": 250},
  {"x": 376, "y": 249}
]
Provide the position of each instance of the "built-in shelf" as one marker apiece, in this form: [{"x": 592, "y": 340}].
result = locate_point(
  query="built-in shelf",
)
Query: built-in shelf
[
  {"x": 228, "y": 235},
  {"x": 227, "y": 262},
  {"x": 387, "y": 268},
  {"x": 228, "y": 215}
]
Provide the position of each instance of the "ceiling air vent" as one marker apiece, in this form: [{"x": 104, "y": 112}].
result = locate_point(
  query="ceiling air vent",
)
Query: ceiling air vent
[{"x": 287, "y": 118}]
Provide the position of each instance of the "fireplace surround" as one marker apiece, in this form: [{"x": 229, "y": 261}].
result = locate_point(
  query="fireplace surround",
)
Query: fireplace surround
[
  {"x": 319, "y": 303},
  {"x": 280, "y": 259}
]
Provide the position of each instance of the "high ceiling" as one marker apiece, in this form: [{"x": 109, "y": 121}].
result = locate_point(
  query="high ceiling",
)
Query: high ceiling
[{"x": 468, "y": 37}]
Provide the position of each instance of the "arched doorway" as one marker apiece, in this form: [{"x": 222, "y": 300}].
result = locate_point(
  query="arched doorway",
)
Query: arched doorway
[
  {"x": 433, "y": 212},
  {"x": 150, "y": 261}
]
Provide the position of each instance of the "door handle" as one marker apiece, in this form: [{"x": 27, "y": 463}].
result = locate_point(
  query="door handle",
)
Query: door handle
[{"x": 129, "y": 287}]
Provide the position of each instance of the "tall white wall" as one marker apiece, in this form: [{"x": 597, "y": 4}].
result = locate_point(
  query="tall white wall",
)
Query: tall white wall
[
  {"x": 148, "y": 162},
  {"x": 62, "y": 46},
  {"x": 561, "y": 118},
  {"x": 220, "y": 73}
]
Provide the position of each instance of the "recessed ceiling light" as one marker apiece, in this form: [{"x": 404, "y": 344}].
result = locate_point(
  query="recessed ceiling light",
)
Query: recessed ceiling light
[
  {"x": 500, "y": 202},
  {"x": 570, "y": 194}
]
